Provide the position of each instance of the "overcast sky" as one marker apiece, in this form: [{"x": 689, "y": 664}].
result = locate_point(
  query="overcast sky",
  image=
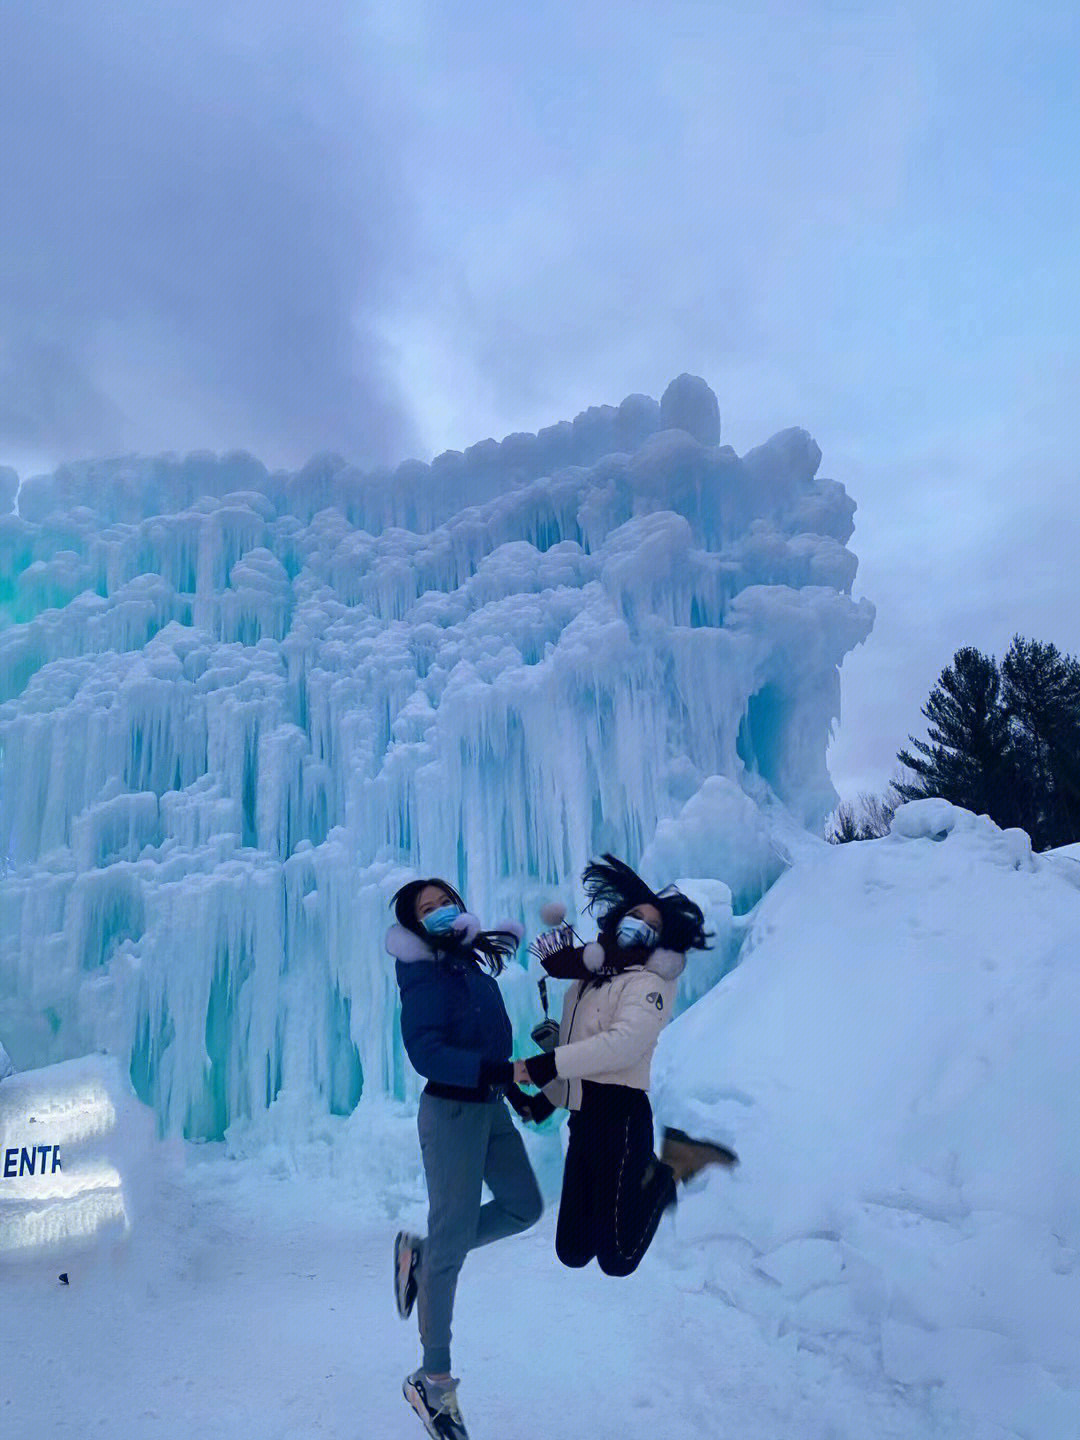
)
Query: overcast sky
[{"x": 392, "y": 229}]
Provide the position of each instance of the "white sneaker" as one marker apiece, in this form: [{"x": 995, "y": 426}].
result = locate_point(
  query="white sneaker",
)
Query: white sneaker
[{"x": 436, "y": 1405}]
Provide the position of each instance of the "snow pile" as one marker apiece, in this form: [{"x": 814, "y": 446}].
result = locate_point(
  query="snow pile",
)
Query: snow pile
[
  {"x": 896, "y": 1062},
  {"x": 238, "y": 708},
  {"x": 76, "y": 1157}
]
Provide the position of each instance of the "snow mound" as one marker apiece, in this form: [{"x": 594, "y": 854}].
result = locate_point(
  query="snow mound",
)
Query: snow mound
[
  {"x": 895, "y": 1061},
  {"x": 76, "y": 1159}
]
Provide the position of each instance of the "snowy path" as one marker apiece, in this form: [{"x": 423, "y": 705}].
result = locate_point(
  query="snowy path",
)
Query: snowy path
[{"x": 267, "y": 1313}]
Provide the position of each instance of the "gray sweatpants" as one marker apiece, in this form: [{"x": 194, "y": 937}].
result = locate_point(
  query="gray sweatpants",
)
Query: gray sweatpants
[{"x": 464, "y": 1144}]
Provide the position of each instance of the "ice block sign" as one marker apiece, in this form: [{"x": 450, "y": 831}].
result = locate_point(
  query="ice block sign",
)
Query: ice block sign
[{"x": 74, "y": 1141}]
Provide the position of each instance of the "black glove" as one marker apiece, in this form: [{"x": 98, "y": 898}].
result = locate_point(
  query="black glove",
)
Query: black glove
[
  {"x": 535, "y": 1108},
  {"x": 541, "y": 1107},
  {"x": 519, "y": 1102},
  {"x": 541, "y": 1068}
]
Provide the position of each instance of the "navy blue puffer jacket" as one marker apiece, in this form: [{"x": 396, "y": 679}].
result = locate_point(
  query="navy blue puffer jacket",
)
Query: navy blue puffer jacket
[{"x": 452, "y": 1014}]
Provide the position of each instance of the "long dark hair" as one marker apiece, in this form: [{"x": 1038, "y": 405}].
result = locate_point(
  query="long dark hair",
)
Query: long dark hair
[
  {"x": 616, "y": 889},
  {"x": 490, "y": 948}
]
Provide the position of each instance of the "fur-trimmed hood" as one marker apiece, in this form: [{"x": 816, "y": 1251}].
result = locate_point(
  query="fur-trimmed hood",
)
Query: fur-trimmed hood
[{"x": 408, "y": 947}]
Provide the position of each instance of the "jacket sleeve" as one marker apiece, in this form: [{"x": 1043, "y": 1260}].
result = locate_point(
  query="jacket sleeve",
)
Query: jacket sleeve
[
  {"x": 424, "y": 1029},
  {"x": 558, "y": 1091},
  {"x": 632, "y": 1033}
]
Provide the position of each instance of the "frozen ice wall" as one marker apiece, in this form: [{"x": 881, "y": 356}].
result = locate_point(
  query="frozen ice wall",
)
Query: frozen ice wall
[{"x": 238, "y": 708}]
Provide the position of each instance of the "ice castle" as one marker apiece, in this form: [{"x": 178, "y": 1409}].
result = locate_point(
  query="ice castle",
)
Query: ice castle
[{"x": 238, "y": 708}]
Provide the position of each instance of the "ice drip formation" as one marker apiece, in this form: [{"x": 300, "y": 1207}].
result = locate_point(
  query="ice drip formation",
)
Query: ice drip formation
[{"x": 237, "y": 708}]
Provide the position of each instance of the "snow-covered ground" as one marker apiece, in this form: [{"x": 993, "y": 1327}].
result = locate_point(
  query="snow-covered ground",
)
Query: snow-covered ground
[
  {"x": 897, "y": 1257},
  {"x": 896, "y": 1062},
  {"x": 261, "y": 1306}
]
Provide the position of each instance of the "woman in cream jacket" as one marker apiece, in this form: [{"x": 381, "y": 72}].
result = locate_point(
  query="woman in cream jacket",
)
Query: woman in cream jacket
[{"x": 614, "y": 1188}]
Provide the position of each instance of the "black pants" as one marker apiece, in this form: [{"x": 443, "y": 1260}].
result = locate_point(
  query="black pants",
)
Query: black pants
[{"x": 614, "y": 1189}]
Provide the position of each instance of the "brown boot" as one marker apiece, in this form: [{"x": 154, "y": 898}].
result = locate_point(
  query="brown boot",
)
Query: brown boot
[{"x": 687, "y": 1157}]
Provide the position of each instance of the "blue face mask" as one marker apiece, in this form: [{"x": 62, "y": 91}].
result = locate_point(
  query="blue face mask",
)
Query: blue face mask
[
  {"x": 441, "y": 921},
  {"x": 634, "y": 931}
]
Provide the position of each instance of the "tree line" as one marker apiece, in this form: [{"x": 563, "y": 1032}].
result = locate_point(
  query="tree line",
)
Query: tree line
[{"x": 1002, "y": 740}]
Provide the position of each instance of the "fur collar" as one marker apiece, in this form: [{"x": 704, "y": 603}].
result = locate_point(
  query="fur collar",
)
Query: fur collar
[
  {"x": 668, "y": 964},
  {"x": 407, "y": 947},
  {"x": 403, "y": 945}
]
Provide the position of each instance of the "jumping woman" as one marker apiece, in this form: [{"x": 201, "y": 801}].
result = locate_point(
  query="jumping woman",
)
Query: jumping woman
[
  {"x": 457, "y": 1035},
  {"x": 614, "y": 1189}
]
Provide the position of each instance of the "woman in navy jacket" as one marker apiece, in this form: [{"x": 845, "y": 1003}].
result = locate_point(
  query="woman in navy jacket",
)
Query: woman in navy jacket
[{"x": 457, "y": 1034}]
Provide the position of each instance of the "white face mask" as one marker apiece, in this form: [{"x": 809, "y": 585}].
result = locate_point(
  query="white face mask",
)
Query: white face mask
[{"x": 632, "y": 930}]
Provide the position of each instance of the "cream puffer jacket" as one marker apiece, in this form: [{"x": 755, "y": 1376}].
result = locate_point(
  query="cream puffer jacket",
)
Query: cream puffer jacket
[{"x": 609, "y": 1030}]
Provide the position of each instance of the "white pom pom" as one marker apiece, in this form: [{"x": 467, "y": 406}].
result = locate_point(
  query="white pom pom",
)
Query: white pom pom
[
  {"x": 552, "y": 912},
  {"x": 511, "y": 927},
  {"x": 593, "y": 956},
  {"x": 467, "y": 926}
]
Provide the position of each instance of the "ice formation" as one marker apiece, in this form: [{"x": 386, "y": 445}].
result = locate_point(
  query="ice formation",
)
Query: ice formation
[{"x": 238, "y": 708}]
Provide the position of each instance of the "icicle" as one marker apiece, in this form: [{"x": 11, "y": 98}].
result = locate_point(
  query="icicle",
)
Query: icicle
[{"x": 238, "y": 709}]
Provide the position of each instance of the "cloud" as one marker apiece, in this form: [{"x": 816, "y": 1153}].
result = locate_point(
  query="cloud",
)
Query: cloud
[
  {"x": 965, "y": 536},
  {"x": 202, "y": 224},
  {"x": 630, "y": 201},
  {"x": 272, "y": 227},
  {"x": 47, "y": 398}
]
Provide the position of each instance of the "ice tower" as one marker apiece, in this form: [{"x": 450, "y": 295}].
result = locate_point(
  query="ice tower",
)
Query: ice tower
[{"x": 238, "y": 708}]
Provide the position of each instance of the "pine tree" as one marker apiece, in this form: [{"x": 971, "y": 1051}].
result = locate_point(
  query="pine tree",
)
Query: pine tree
[
  {"x": 870, "y": 822},
  {"x": 844, "y": 827},
  {"x": 967, "y": 758},
  {"x": 1041, "y": 694},
  {"x": 878, "y": 812}
]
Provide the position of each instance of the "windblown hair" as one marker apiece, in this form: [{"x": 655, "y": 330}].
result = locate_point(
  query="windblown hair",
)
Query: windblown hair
[
  {"x": 613, "y": 887},
  {"x": 489, "y": 948}
]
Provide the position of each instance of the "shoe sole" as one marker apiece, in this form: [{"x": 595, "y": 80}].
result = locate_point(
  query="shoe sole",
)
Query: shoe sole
[
  {"x": 412, "y": 1395},
  {"x": 402, "y": 1300}
]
